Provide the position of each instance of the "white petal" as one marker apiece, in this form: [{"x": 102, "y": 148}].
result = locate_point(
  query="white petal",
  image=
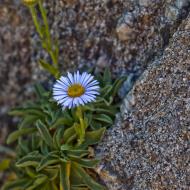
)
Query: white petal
[
  {"x": 67, "y": 102},
  {"x": 70, "y": 77},
  {"x": 90, "y": 99},
  {"x": 62, "y": 83},
  {"x": 58, "y": 85},
  {"x": 93, "y": 88},
  {"x": 63, "y": 100},
  {"x": 65, "y": 81},
  {"x": 81, "y": 101},
  {"x": 75, "y": 102},
  {"x": 92, "y": 83},
  {"x": 87, "y": 98},
  {"x": 83, "y": 76},
  {"x": 57, "y": 90},
  {"x": 78, "y": 77},
  {"x": 87, "y": 80},
  {"x": 92, "y": 92},
  {"x": 59, "y": 97},
  {"x": 84, "y": 98},
  {"x": 70, "y": 105},
  {"x": 90, "y": 95},
  {"x": 75, "y": 78}
]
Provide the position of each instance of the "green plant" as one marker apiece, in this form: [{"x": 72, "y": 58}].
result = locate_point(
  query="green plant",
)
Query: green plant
[
  {"x": 49, "y": 44},
  {"x": 48, "y": 152},
  {"x": 54, "y": 145}
]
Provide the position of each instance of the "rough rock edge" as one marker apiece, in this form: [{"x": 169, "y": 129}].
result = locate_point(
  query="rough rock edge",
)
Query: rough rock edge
[{"x": 114, "y": 181}]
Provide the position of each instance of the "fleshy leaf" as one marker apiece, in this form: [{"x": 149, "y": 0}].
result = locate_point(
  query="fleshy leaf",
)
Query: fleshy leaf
[
  {"x": 93, "y": 137},
  {"x": 104, "y": 118},
  {"x": 44, "y": 133},
  {"x": 87, "y": 179},
  {"x": 48, "y": 161},
  {"x": 40, "y": 179},
  {"x": 87, "y": 163},
  {"x": 15, "y": 135},
  {"x": 65, "y": 170},
  {"x": 31, "y": 159}
]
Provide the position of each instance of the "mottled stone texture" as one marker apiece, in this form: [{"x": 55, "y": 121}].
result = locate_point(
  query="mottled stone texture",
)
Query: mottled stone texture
[
  {"x": 149, "y": 148},
  {"x": 122, "y": 34},
  {"x": 15, "y": 69}
]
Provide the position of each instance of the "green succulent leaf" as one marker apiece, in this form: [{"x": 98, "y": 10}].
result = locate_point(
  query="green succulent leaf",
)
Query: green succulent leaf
[
  {"x": 52, "y": 172},
  {"x": 26, "y": 111},
  {"x": 66, "y": 147},
  {"x": 93, "y": 137},
  {"x": 40, "y": 91},
  {"x": 31, "y": 172},
  {"x": 104, "y": 118},
  {"x": 49, "y": 67},
  {"x": 58, "y": 137},
  {"x": 15, "y": 135},
  {"x": 86, "y": 163},
  {"x": 28, "y": 120},
  {"x": 106, "y": 90},
  {"x": 40, "y": 179},
  {"x": 48, "y": 161},
  {"x": 79, "y": 188},
  {"x": 87, "y": 179},
  {"x": 65, "y": 170},
  {"x": 75, "y": 178},
  {"x": 17, "y": 184},
  {"x": 70, "y": 132},
  {"x": 77, "y": 153},
  {"x": 107, "y": 76},
  {"x": 35, "y": 141},
  {"x": 23, "y": 146},
  {"x": 44, "y": 132},
  {"x": 32, "y": 159},
  {"x": 44, "y": 148},
  {"x": 117, "y": 85},
  {"x": 62, "y": 122}
]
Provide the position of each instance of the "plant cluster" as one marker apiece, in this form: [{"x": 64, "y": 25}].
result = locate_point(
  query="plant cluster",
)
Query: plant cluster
[{"x": 54, "y": 140}]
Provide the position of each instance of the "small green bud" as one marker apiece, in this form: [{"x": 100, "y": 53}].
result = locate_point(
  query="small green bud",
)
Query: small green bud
[{"x": 30, "y": 2}]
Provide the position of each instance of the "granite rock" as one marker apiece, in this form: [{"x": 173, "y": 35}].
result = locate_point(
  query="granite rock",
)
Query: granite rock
[
  {"x": 149, "y": 146},
  {"x": 15, "y": 68},
  {"x": 128, "y": 33}
]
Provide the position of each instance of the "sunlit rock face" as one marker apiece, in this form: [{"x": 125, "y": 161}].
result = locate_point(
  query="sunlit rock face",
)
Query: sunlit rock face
[{"x": 149, "y": 146}]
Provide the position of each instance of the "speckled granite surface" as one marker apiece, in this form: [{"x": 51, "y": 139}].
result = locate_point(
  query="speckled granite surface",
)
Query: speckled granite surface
[
  {"x": 125, "y": 35},
  {"x": 15, "y": 68},
  {"x": 149, "y": 148}
]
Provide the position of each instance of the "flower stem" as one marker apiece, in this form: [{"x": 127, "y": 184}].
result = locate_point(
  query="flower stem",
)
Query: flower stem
[
  {"x": 82, "y": 126},
  {"x": 35, "y": 20},
  {"x": 47, "y": 31},
  {"x": 47, "y": 43}
]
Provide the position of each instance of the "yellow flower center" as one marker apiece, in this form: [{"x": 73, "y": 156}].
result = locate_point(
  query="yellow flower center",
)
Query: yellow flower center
[{"x": 76, "y": 90}]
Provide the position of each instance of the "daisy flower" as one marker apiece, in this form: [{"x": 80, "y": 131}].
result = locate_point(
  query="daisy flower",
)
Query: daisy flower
[{"x": 74, "y": 90}]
